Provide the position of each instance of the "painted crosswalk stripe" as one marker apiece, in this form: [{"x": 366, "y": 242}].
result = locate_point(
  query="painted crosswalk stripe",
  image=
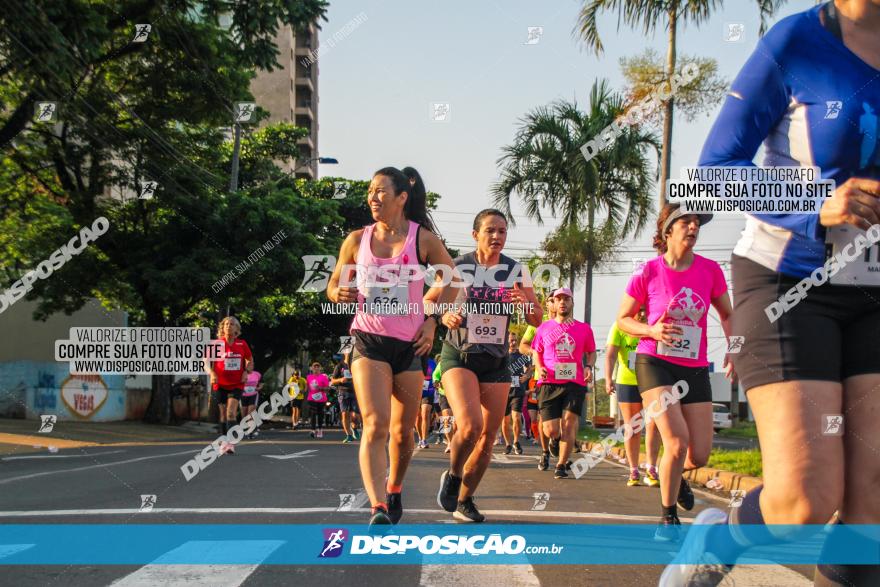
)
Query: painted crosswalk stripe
[
  {"x": 163, "y": 572},
  {"x": 478, "y": 575},
  {"x": 10, "y": 549}
]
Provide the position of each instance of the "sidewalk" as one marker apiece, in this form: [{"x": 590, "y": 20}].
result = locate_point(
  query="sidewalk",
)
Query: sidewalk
[
  {"x": 709, "y": 478},
  {"x": 19, "y": 436}
]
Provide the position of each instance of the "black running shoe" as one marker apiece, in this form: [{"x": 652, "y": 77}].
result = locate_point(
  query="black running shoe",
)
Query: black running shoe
[
  {"x": 685, "y": 495},
  {"x": 508, "y": 449},
  {"x": 395, "y": 507},
  {"x": 466, "y": 511},
  {"x": 544, "y": 463},
  {"x": 568, "y": 465},
  {"x": 517, "y": 448},
  {"x": 554, "y": 447},
  {"x": 380, "y": 517},
  {"x": 668, "y": 530},
  {"x": 447, "y": 497},
  {"x": 560, "y": 472}
]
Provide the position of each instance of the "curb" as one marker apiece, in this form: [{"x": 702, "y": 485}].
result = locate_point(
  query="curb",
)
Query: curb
[
  {"x": 724, "y": 481},
  {"x": 42, "y": 441}
]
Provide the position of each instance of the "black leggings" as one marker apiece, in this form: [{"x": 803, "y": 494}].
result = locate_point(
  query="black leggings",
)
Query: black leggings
[{"x": 316, "y": 414}]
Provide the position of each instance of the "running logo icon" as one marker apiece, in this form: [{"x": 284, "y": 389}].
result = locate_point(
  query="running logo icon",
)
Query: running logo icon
[
  {"x": 832, "y": 424},
  {"x": 147, "y": 502},
  {"x": 735, "y": 344},
  {"x": 141, "y": 32},
  {"x": 319, "y": 268},
  {"x": 334, "y": 540},
  {"x": 45, "y": 112},
  {"x": 734, "y": 32},
  {"x": 47, "y": 423},
  {"x": 736, "y": 498},
  {"x": 541, "y": 500},
  {"x": 244, "y": 111},
  {"x": 565, "y": 346},
  {"x": 340, "y": 189},
  {"x": 832, "y": 109},
  {"x": 534, "y": 35},
  {"x": 687, "y": 305},
  {"x": 440, "y": 112},
  {"x": 148, "y": 188}
]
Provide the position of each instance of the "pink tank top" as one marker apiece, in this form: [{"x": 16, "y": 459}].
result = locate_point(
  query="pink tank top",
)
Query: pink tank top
[{"x": 395, "y": 310}]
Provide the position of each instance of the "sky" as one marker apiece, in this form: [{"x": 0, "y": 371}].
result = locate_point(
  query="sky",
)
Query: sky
[{"x": 379, "y": 79}]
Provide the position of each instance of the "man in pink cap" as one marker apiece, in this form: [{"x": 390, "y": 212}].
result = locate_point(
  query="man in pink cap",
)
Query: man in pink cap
[{"x": 564, "y": 352}]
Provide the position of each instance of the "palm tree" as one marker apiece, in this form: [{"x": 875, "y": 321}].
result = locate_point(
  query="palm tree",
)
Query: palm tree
[
  {"x": 545, "y": 167},
  {"x": 648, "y": 15}
]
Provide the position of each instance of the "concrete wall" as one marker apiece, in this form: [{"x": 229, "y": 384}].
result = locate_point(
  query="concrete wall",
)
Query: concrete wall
[{"x": 32, "y": 383}]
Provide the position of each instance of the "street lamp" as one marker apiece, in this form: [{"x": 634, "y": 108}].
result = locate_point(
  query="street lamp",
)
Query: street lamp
[{"x": 321, "y": 160}]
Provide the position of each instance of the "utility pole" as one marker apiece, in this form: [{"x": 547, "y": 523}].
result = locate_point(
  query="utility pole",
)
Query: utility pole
[{"x": 236, "y": 150}]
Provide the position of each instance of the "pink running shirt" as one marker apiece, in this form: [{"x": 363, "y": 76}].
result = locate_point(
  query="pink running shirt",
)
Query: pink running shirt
[
  {"x": 687, "y": 295},
  {"x": 250, "y": 386},
  {"x": 402, "y": 325},
  {"x": 564, "y": 344},
  {"x": 314, "y": 384}
]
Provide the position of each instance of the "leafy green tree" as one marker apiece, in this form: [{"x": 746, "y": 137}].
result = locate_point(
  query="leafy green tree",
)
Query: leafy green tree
[
  {"x": 128, "y": 112},
  {"x": 646, "y": 72},
  {"x": 545, "y": 168},
  {"x": 648, "y": 15}
]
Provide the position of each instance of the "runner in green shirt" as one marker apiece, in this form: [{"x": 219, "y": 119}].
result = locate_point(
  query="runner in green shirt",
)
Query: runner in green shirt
[
  {"x": 447, "y": 422},
  {"x": 620, "y": 350}
]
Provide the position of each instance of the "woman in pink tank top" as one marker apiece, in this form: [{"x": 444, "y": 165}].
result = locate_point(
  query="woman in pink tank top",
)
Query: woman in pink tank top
[{"x": 381, "y": 268}]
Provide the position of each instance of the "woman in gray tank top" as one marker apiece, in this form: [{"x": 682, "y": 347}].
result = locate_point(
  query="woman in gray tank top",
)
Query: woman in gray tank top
[{"x": 476, "y": 375}]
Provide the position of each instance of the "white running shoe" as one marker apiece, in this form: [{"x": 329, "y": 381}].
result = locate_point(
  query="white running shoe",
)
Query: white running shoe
[{"x": 700, "y": 568}]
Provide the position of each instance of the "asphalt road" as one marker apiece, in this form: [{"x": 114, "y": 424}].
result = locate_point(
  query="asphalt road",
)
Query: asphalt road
[{"x": 104, "y": 484}]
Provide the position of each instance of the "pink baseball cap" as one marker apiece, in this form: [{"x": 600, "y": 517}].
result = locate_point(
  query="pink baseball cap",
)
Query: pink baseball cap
[{"x": 562, "y": 291}]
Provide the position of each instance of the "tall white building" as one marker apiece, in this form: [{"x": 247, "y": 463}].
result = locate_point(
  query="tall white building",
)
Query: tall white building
[{"x": 290, "y": 93}]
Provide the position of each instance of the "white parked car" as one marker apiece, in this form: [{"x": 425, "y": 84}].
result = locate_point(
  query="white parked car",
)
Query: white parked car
[{"x": 721, "y": 417}]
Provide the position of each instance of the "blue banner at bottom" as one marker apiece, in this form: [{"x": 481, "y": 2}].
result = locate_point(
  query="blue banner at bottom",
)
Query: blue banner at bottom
[{"x": 432, "y": 544}]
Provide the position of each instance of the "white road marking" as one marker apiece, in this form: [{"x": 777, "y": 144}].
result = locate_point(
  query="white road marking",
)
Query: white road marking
[
  {"x": 79, "y": 456},
  {"x": 98, "y": 466},
  {"x": 163, "y": 572},
  {"x": 294, "y": 511},
  {"x": 478, "y": 575},
  {"x": 293, "y": 455},
  {"x": 10, "y": 549}
]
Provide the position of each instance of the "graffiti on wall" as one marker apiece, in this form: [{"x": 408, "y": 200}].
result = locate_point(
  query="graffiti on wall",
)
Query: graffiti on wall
[{"x": 84, "y": 394}]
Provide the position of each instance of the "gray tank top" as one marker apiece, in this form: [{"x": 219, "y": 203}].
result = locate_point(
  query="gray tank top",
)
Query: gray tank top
[{"x": 487, "y": 306}]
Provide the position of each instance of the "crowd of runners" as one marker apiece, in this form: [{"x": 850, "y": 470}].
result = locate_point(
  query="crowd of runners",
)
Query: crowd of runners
[{"x": 487, "y": 378}]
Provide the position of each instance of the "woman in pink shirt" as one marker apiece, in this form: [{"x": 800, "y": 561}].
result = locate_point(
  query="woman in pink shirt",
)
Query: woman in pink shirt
[
  {"x": 317, "y": 386},
  {"x": 676, "y": 289},
  {"x": 391, "y": 328}
]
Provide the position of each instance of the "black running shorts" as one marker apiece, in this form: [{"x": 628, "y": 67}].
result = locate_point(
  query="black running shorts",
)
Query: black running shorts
[
  {"x": 554, "y": 398},
  {"x": 399, "y": 354},
  {"x": 831, "y": 334},
  {"x": 348, "y": 403},
  {"x": 627, "y": 394},
  {"x": 224, "y": 393},
  {"x": 487, "y": 368},
  {"x": 655, "y": 372},
  {"x": 515, "y": 403}
]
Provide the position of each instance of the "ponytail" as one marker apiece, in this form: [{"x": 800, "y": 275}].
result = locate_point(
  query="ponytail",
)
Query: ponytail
[{"x": 408, "y": 180}]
